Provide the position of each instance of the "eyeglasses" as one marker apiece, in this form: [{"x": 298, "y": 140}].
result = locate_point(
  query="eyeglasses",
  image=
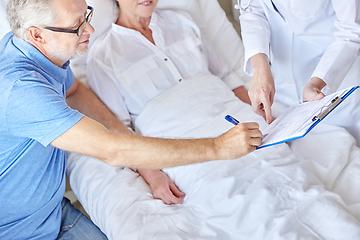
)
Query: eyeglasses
[{"x": 81, "y": 27}]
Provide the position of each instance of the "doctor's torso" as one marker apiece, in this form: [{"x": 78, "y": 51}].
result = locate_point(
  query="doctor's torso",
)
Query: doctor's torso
[
  {"x": 304, "y": 16},
  {"x": 300, "y": 32}
]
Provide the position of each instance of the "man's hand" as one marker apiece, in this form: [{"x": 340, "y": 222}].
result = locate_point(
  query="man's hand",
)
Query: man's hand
[
  {"x": 312, "y": 90},
  {"x": 239, "y": 141},
  {"x": 162, "y": 187},
  {"x": 262, "y": 88}
]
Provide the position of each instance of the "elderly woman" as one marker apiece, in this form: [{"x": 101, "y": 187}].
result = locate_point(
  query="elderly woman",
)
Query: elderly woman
[{"x": 144, "y": 54}]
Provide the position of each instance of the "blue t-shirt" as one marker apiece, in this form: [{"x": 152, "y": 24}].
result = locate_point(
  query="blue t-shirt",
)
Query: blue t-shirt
[{"x": 33, "y": 113}]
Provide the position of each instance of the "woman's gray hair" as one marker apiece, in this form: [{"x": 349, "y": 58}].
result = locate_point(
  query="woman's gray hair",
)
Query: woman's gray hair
[{"x": 23, "y": 14}]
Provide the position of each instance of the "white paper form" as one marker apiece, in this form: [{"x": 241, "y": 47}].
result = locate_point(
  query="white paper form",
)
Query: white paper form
[{"x": 297, "y": 120}]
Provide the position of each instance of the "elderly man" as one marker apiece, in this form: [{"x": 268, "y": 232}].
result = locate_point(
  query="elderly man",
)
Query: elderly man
[{"x": 37, "y": 125}]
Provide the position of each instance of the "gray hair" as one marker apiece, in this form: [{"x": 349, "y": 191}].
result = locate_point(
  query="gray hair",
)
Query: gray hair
[{"x": 23, "y": 14}]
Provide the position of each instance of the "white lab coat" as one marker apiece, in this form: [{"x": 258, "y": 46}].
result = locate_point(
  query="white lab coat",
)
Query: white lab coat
[{"x": 305, "y": 39}]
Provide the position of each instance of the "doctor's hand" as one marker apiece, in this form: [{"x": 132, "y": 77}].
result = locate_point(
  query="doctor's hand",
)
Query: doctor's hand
[
  {"x": 238, "y": 141},
  {"x": 312, "y": 90},
  {"x": 162, "y": 187},
  {"x": 262, "y": 88}
]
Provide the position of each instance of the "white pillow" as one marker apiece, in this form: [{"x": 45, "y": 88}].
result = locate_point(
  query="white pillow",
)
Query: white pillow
[
  {"x": 223, "y": 37},
  {"x": 4, "y": 24}
]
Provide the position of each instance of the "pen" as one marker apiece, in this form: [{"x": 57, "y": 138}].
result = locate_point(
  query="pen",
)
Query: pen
[{"x": 232, "y": 120}]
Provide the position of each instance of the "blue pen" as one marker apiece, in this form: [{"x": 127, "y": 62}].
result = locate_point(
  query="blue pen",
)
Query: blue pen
[{"x": 232, "y": 120}]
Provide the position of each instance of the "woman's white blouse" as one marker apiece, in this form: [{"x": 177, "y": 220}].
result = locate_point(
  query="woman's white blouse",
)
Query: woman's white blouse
[
  {"x": 126, "y": 70},
  {"x": 307, "y": 38}
]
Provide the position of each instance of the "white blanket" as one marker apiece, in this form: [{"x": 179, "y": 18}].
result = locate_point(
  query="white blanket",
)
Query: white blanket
[{"x": 310, "y": 190}]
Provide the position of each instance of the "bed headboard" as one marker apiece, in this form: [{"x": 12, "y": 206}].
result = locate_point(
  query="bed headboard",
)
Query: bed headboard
[{"x": 207, "y": 14}]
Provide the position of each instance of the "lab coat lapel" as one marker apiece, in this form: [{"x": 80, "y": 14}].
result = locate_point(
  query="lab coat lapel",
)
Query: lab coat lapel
[{"x": 271, "y": 5}]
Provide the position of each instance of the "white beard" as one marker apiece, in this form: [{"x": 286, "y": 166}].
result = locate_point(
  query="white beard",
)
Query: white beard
[{"x": 56, "y": 52}]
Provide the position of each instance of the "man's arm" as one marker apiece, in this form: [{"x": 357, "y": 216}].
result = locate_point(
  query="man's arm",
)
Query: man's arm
[
  {"x": 91, "y": 138},
  {"x": 83, "y": 99}
]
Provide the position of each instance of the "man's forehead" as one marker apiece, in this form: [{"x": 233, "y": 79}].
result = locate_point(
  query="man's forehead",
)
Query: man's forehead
[{"x": 70, "y": 11}]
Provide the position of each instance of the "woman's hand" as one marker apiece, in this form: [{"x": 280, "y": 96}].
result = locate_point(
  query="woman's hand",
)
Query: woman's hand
[
  {"x": 242, "y": 94},
  {"x": 312, "y": 90},
  {"x": 162, "y": 187},
  {"x": 262, "y": 88}
]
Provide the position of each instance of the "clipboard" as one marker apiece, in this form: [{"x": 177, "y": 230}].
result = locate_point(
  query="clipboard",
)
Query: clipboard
[{"x": 297, "y": 121}]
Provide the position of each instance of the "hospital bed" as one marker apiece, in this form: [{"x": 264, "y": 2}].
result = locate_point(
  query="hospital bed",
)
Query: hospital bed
[{"x": 307, "y": 189}]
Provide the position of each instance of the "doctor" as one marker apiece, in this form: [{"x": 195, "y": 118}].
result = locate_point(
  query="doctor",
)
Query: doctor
[{"x": 313, "y": 47}]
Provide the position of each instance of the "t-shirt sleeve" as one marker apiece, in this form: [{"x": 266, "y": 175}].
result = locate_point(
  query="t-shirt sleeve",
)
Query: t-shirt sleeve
[{"x": 37, "y": 110}]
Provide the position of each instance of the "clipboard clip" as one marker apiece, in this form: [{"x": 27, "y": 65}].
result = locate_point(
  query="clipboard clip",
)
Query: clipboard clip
[{"x": 329, "y": 108}]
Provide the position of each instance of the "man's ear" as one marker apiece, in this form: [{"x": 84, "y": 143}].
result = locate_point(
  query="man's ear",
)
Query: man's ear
[{"x": 36, "y": 35}]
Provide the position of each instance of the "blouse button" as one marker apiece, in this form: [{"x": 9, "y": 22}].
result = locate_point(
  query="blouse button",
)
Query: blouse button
[
  {"x": 165, "y": 59},
  {"x": 180, "y": 80}
]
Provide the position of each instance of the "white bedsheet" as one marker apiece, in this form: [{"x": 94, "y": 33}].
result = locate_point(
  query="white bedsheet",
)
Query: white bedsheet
[{"x": 310, "y": 190}]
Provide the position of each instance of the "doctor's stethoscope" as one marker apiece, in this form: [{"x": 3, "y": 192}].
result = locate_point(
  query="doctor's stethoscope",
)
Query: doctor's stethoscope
[{"x": 246, "y": 8}]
